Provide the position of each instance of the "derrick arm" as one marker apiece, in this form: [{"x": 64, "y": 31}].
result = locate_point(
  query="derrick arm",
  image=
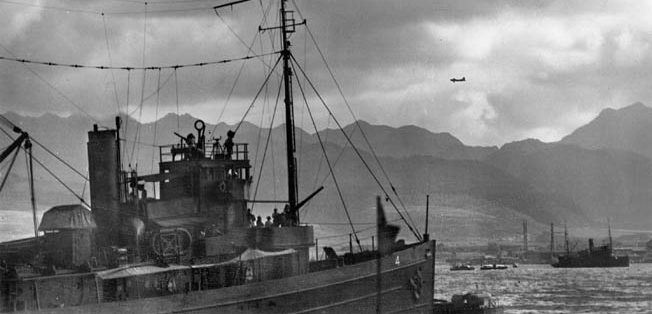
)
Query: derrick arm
[{"x": 15, "y": 145}]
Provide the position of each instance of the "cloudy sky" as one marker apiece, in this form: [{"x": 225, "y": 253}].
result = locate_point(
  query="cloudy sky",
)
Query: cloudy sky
[{"x": 533, "y": 68}]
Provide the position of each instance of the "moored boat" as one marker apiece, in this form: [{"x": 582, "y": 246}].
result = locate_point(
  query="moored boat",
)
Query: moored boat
[
  {"x": 469, "y": 303},
  {"x": 493, "y": 267},
  {"x": 458, "y": 267}
]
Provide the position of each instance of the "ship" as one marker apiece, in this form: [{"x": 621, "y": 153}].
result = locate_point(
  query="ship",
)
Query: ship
[
  {"x": 192, "y": 246},
  {"x": 461, "y": 266},
  {"x": 601, "y": 256}
]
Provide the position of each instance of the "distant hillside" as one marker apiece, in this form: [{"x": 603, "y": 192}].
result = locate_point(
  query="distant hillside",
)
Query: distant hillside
[
  {"x": 628, "y": 128},
  {"x": 456, "y": 185},
  {"x": 602, "y": 183},
  {"x": 407, "y": 141}
]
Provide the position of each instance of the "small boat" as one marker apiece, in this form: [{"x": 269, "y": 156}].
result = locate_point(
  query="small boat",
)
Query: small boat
[
  {"x": 493, "y": 266},
  {"x": 468, "y": 303},
  {"x": 461, "y": 266}
]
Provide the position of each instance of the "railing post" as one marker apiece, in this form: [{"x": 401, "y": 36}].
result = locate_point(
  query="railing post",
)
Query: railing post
[
  {"x": 350, "y": 243},
  {"x": 316, "y": 249}
]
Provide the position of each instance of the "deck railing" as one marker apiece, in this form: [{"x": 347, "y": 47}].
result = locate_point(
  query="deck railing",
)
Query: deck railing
[{"x": 211, "y": 151}]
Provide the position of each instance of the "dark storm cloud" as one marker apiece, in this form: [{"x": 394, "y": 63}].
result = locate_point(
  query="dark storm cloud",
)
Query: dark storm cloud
[{"x": 533, "y": 68}]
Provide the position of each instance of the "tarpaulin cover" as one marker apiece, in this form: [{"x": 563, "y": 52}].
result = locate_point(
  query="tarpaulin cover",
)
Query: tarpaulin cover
[
  {"x": 67, "y": 217},
  {"x": 131, "y": 271},
  {"x": 251, "y": 254}
]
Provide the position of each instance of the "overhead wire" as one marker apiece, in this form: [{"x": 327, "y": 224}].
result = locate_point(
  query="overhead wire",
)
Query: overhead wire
[
  {"x": 417, "y": 235},
  {"x": 49, "y": 7},
  {"x": 142, "y": 88},
  {"x": 359, "y": 231},
  {"x": 11, "y": 164},
  {"x": 158, "y": 83},
  {"x": 81, "y": 199},
  {"x": 337, "y": 185},
  {"x": 257, "y": 94},
  {"x": 124, "y": 151},
  {"x": 269, "y": 136},
  {"x": 123, "y": 12},
  {"x": 129, "y": 68},
  {"x": 249, "y": 50},
  {"x": 262, "y": 114},
  {"x": 55, "y": 89},
  {"x": 176, "y": 94},
  {"x": 13, "y": 125},
  {"x": 108, "y": 51},
  {"x": 356, "y": 121},
  {"x": 232, "y": 89}
]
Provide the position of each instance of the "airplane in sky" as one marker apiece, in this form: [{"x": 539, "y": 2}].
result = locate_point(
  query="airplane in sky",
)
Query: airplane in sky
[{"x": 454, "y": 80}]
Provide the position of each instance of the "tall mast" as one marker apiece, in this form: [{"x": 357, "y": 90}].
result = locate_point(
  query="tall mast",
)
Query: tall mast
[
  {"x": 566, "y": 238},
  {"x": 289, "y": 110},
  {"x": 611, "y": 244}
]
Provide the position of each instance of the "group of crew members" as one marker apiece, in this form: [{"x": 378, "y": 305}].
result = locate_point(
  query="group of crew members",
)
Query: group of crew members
[{"x": 284, "y": 219}]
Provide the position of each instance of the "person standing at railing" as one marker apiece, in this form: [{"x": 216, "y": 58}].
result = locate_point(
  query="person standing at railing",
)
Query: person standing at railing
[
  {"x": 228, "y": 144},
  {"x": 276, "y": 218}
]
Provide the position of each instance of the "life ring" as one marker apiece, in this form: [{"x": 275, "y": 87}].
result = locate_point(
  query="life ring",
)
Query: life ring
[{"x": 199, "y": 125}]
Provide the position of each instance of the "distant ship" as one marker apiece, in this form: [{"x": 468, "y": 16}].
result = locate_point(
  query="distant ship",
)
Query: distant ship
[{"x": 601, "y": 256}]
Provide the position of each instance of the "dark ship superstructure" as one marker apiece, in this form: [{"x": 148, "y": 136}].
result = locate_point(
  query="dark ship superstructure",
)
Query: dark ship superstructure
[
  {"x": 601, "y": 256},
  {"x": 191, "y": 247}
]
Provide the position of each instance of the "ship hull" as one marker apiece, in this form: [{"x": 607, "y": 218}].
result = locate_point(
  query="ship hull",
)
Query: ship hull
[
  {"x": 578, "y": 262},
  {"x": 406, "y": 286}
]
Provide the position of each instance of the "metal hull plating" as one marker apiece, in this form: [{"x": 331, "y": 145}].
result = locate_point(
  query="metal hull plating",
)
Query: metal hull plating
[
  {"x": 407, "y": 281},
  {"x": 579, "y": 262}
]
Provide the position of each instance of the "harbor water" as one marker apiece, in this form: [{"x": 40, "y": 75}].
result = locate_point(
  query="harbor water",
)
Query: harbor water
[{"x": 544, "y": 289}]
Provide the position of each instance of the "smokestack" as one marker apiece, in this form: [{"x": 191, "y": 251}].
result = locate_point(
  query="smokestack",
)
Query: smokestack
[{"x": 103, "y": 173}]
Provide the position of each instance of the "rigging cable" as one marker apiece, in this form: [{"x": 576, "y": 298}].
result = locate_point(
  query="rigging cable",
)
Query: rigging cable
[
  {"x": 13, "y": 58},
  {"x": 13, "y": 125},
  {"x": 235, "y": 83},
  {"x": 262, "y": 121},
  {"x": 416, "y": 234},
  {"x": 138, "y": 126},
  {"x": 249, "y": 48},
  {"x": 158, "y": 87},
  {"x": 176, "y": 93},
  {"x": 142, "y": 92},
  {"x": 269, "y": 136},
  {"x": 11, "y": 164},
  {"x": 92, "y": 12},
  {"x": 258, "y": 94},
  {"x": 108, "y": 51},
  {"x": 323, "y": 149},
  {"x": 59, "y": 92},
  {"x": 81, "y": 199},
  {"x": 357, "y": 122},
  {"x": 124, "y": 152}
]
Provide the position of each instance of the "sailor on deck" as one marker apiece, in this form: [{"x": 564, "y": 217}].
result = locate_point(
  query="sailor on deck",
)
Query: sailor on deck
[{"x": 228, "y": 144}]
